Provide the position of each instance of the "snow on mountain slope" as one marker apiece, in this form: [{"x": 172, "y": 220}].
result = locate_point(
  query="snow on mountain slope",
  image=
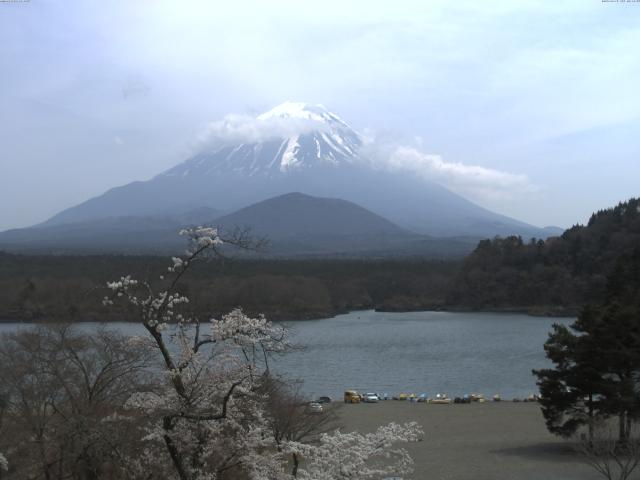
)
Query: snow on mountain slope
[{"x": 324, "y": 139}]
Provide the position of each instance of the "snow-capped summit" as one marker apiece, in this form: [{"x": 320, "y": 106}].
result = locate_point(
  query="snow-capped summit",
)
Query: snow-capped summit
[
  {"x": 295, "y": 137},
  {"x": 303, "y": 111}
]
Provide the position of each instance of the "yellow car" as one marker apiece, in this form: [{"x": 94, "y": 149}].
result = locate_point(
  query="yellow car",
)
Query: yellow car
[{"x": 351, "y": 396}]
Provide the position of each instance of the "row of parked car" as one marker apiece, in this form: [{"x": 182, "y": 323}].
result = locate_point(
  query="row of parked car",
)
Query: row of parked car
[{"x": 352, "y": 396}]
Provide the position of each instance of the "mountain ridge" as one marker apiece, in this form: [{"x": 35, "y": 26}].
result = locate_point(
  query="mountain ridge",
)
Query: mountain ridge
[
  {"x": 303, "y": 148},
  {"x": 296, "y": 214},
  {"x": 296, "y": 225}
]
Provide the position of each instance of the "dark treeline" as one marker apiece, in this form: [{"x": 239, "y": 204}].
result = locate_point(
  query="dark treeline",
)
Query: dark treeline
[
  {"x": 49, "y": 288},
  {"x": 558, "y": 276},
  {"x": 561, "y": 273}
]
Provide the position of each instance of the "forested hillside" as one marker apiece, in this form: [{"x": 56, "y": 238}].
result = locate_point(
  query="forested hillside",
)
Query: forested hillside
[
  {"x": 559, "y": 274},
  {"x": 71, "y": 287}
]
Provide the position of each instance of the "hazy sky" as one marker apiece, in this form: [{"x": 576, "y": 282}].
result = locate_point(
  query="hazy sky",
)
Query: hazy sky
[{"x": 536, "y": 103}]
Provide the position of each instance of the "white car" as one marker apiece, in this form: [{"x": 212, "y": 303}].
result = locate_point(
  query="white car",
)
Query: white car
[
  {"x": 316, "y": 407},
  {"x": 370, "y": 398}
]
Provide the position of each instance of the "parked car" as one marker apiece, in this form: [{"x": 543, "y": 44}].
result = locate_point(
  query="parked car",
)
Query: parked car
[
  {"x": 324, "y": 400},
  {"x": 441, "y": 398},
  {"x": 370, "y": 398},
  {"x": 351, "y": 396}
]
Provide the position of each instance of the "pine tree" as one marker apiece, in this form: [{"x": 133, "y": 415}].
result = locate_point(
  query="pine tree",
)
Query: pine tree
[
  {"x": 597, "y": 360},
  {"x": 570, "y": 392}
]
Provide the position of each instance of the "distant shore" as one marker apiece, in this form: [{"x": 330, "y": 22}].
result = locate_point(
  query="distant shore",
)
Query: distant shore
[
  {"x": 489, "y": 441},
  {"x": 534, "y": 311},
  {"x": 566, "y": 312}
]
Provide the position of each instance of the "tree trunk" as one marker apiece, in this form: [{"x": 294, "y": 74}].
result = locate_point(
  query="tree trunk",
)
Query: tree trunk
[
  {"x": 176, "y": 458},
  {"x": 590, "y": 419},
  {"x": 623, "y": 435},
  {"x": 296, "y": 464}
]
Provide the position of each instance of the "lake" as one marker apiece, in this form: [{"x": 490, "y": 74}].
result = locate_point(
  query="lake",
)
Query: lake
[{"x": 421, "y": 352}]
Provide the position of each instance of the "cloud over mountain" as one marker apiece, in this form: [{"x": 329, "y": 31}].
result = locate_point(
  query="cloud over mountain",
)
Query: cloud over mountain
[
  {"x": 292, "y": 119},
  {"x": 471, "y": 180},
  {"x": 288, "y": 120},
  {"x": 239, "y": 128}
]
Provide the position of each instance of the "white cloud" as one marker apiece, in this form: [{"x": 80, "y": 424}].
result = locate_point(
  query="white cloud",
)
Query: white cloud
[
  {"x": 473, "y": 181},
  {"x": 238, "y": 128},
  {"x": 381, "y": 151}
]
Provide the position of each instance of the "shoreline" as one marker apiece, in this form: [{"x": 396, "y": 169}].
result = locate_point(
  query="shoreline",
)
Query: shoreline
[
  {"x": 536, "y": 311},
  {"x": 561, "y": 312}
]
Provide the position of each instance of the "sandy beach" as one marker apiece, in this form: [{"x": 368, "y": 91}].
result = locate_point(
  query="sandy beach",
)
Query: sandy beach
[{"x": 489, "y": 441}]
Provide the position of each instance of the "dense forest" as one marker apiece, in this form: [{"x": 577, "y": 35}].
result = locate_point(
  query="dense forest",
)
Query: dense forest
[
  {"x": 559, "y": 274},
  {"x": 71, "y": 287},
  {"x": 556, "y": 276}
]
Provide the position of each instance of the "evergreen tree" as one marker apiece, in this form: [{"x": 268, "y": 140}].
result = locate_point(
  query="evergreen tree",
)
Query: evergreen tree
[
  {"x": 570, "y": 392},
  {"x": 597, "y": 360}
]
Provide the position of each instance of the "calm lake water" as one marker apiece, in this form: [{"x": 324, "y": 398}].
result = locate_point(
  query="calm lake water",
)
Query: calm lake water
[{"x": 421, "y": 352}]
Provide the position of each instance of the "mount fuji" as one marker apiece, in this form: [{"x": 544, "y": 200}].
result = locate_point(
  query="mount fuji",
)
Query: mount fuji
[{"x": 295, "y": 147}]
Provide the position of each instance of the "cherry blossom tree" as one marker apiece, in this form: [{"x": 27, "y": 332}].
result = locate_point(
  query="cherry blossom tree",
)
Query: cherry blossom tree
[
  {"x": 292, "y": 420},
  {"x": 62, "y": 390},
  {"x": 355, "y": 455},
  {"x": 210, "y": 419}
]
